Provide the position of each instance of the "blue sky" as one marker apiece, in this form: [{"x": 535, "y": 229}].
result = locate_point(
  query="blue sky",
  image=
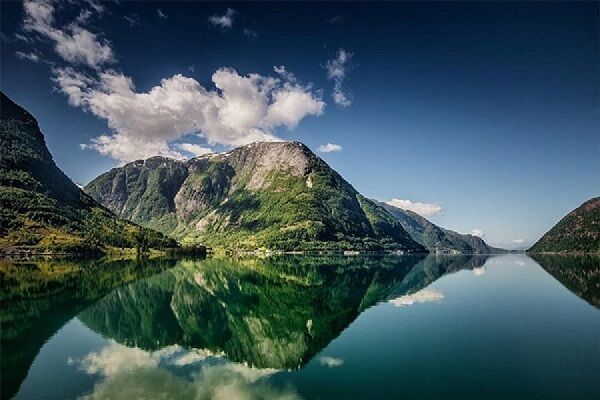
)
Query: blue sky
[{"x": 486, "y": 112}]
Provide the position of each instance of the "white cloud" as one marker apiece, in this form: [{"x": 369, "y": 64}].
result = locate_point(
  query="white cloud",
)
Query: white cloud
[
  {"x": 72, "y": 42},
  {"x": 479, "y": 271},
  {"x": 33, "y": 56},
  {"x": 422, "y": 296},
  {"x": 424, "y": 209},
  {"x": 330, "y": 362},
  {"x": 329, "y": 147},
  {"x": 478, "y": 233},
  {"x": 518, "y": 241},
  {"x": 161, "y": 14},
  {"x": 223, "y": 21},
  {"x": 242, "y": 110},
  {"x": 337, "y": 69},
  {"x": 194, "y": 149}
]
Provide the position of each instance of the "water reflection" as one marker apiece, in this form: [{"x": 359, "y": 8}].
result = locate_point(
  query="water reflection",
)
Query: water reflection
[
  {"x": 267, "y": 313},
  {"x": 219, "y": 328},
  {"x": 38, "y": 298},
  {"x": 578, "y": 273},
  {"x": 175, "y": 373}
]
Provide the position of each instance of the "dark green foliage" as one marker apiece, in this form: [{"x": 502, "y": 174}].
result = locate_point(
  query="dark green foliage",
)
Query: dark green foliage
[
  {"x": 577, "y": 232},
  {"x": 39, "y": 205}
]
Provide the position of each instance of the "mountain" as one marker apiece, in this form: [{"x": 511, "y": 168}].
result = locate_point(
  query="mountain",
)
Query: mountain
[
  {"x": 577, "y": 232},
  {"x": 437, "y": 239},
  {"x": 41, "y": 208},
  {"x": 274, "y": 195}
]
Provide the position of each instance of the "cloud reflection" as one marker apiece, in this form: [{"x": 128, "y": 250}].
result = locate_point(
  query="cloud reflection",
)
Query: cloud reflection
[
  {"x": 422, "y": 296},
  {"x": 331, "y": 362},
  {"x": 132, "y": 373}
]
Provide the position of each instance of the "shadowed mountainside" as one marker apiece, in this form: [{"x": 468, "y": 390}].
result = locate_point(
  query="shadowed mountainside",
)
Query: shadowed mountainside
[{"x": 41, "y": 208}]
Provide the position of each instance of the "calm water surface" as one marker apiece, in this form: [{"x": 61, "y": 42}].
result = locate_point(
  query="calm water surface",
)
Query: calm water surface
[{"x": 302, "y": 327}]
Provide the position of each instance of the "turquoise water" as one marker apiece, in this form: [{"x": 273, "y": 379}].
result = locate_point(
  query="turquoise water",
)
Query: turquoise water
[{"x": 304, "y": 327}]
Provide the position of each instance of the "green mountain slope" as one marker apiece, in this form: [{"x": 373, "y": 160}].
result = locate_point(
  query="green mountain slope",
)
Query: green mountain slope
[
  {"x": 40, "y": 208},
  {"x": 577, "y": 232},
  {"x": 275, "y": 195},
  {"x": 437, "y": 239}
]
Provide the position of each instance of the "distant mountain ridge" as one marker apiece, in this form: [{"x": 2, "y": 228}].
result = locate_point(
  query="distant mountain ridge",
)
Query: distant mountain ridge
[
  {"x": 274, "y": 195},
  {"x": 577, "y": 232},
  {"x": 437, "y": 239},
  {"x": 41, "y": 208}
]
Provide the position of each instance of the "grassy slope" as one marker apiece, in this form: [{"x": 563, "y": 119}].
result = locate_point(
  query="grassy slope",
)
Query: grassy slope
[
  {"x": 577, "y": 232},
  {"x": 40, "y": 208}
]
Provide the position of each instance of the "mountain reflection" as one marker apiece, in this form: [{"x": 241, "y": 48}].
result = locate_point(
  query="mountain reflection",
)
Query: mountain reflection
[
  {"x": 578, "y": 273},
  {"x": 264, "y": 315},
  {"x": 38, "y": 298}
]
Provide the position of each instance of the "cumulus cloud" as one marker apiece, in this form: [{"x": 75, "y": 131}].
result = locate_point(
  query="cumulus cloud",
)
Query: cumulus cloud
[
  {"x": 239, "y": 109},
  {"x": 424, "y": 209},
  {"x": 331, "y": 362},
  {"x": 478, "y": 271},
  {"x": 242, "y": 109},
  {"x": 72, "y": 42},
  {"x": 518, "y": 241},
  {"x": 478, "y": 233},
  {"x": 329, "y": 147},
  {"x": 223, "y": 21},
  {"x": 337, "y": 69},
  {"x": 422, "y": 296},
  {"x": 194, "y": 149}
]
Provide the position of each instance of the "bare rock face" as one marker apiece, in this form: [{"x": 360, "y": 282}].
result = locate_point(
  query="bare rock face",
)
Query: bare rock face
[
  {"x": 258, "y": 159},
  {"x": 278, "y": 195}
]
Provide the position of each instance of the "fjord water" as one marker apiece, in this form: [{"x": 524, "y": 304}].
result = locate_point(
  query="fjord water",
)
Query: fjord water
[{"x": 294, "y": 327}]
